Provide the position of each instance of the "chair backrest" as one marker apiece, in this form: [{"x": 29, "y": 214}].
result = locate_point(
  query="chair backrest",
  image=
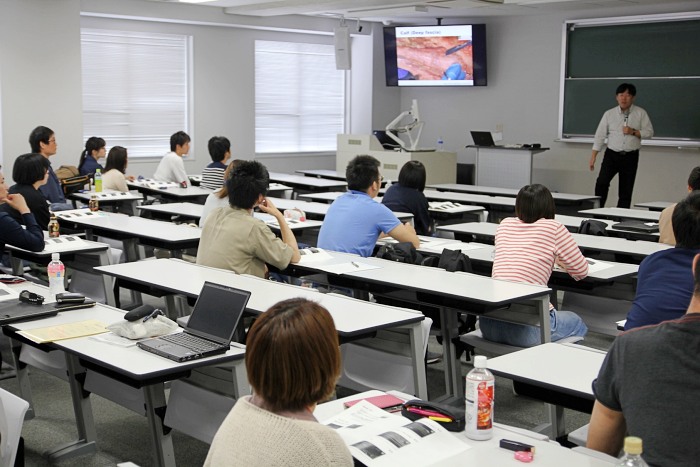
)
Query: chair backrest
[{"x": 12, "y": 411}]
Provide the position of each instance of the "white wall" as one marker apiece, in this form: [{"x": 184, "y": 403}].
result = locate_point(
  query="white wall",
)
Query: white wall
[
  {"x": 40, "y": 77},
  {"x": 523, "y": 59}
]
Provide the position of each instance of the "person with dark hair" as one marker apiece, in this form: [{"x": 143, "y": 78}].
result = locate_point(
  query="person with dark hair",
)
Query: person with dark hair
[
  {"x": 171, "y": 167},
  {"x": 43, "y": 141},
  {"x": 94, "y": 151},
  {"x": 527, "y": 248},
  {"x": 233, "y": 239},
  {"x": 11, "y": 232},
  {"x": 293, "y": 362},
  {"x": 648, "y": 387},
  {"x": 407, "y": 196},
  {"x": 665, "y": 225},
  {"x": 219, "y": 198},
  {"x": 664, "y": 281},
  {"x": 354, "y": 222},
  {"x": 114, "y": 177},
  {"x": 30, "y": 172},
  {"x": 220, "y": 152},
  {"x": 625, "y": 126}
]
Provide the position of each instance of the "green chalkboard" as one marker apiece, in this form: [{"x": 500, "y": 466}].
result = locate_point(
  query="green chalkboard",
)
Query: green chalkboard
[{"x": 662, "y": 59}]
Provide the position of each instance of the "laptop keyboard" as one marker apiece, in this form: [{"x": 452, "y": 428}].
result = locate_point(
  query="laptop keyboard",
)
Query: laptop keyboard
[{"x": 193, "y": 343}]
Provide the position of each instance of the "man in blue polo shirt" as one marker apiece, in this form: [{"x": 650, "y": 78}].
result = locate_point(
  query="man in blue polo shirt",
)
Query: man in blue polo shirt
[{"x": 355, "y": 221}]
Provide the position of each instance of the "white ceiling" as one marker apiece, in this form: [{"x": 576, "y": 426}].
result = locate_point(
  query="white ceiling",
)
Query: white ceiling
[{"x": 435, "y": 8}]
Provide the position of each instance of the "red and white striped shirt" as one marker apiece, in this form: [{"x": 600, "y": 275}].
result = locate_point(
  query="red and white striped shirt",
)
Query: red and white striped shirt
[{"x": 526, "y": 252}]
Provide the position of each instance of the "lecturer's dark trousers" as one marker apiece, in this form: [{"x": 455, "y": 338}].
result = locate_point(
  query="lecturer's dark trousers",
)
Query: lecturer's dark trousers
[{"x": 622, "y": 163}]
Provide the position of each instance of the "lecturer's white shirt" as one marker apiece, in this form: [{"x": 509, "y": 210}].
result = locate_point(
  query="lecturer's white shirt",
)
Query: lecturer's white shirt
[{"x": 611, "y": 124}]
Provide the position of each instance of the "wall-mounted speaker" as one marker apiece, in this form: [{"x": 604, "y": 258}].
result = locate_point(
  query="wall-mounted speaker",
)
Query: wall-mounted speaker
[{"x": 342, "y": 47}]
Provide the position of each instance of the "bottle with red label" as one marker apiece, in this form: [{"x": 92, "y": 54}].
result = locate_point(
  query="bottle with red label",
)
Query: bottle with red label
[{"x": 479, "y": 401}]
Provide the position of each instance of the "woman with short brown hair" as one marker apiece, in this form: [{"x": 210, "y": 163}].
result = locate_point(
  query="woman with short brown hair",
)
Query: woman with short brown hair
[{"x": 293, "y": 362}]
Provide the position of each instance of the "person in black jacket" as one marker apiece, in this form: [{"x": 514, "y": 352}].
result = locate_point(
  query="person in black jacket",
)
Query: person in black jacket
[
  {"x": 30, "y": 172},
  {"x": 31, "y": 238},
  {"x": 407, "y": 196}
]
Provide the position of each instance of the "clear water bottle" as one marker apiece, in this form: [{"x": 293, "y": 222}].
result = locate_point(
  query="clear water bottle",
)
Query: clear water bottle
[
  {"x": 633, "y": 453},
  {"x": 479, "y": 401},
  {"x": 439, "y": 147},
  {"x": 98, "y": 180},
  {"x": 57, "y": 273}
]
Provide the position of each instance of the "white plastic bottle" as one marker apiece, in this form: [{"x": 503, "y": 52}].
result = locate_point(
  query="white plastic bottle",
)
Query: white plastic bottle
[
  {"x": 98, "y": 180},
  {"x": 479, "y": 401},
  {"x": 439, "y": 147},
  {"x": 57, "y": 272},
  {"x": 633, "y": 453}
]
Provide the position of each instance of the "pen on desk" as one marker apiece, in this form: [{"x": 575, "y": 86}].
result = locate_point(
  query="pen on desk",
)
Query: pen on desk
[
  {"x": 590, "y": 261},
  {"x": 355, "y": 264},
  {"x": 155, "y": 313}
]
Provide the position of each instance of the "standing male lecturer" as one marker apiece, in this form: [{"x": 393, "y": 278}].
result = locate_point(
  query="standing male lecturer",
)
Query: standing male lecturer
[{"x": 625, "y": 127}]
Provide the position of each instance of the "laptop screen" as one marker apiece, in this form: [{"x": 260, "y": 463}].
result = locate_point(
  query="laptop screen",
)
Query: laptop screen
[{"x": 218, "y": 310}]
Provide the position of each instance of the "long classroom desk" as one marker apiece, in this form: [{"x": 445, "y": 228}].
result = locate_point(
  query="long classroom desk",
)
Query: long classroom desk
[
  {"x": 319, "y": 210},
  {"x": 637, "y": 249},
  {"x": 300, "y": 182},
  {"x": 354, "y": 319},
  {"x": 654, "y": 205},
  {"x": 107, "y": 198},
  {"x": 563, "y": 199},
  {"x": 131, "y": 366},
  {"x": 194, "y": 194},
  {"x": 450, "y": 292},
  {"x": 572, "y": 223},
  {"x": 498, "y": 206},
  {"x": 622, "y": 213},
  {"x": 435, "y": 211}
]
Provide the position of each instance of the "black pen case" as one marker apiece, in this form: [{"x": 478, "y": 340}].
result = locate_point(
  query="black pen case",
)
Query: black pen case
[{"x": 456, "y": 414}]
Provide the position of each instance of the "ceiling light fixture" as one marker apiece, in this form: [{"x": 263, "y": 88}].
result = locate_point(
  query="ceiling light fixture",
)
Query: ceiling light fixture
[{"x": 407, "y": 10}]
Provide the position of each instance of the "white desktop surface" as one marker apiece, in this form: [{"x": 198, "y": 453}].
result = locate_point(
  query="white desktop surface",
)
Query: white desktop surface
[
  {"x": 323, "y": 173},
  {"x": 623, "y": 213},
  {"x": 319, "y": 209},
  {"x": 486, "y": 453},
  {"x": 350, "y": 315},
  {"x": 102, "y": 196},
  {"x": 655, "y": 205},
  {"x": 571, "y": 368},
  {"x": 137, "y": 227},
  {"x": 469, "y": 198},
  {"x": 613, "y": 244},
  {"x": 185, "y": 209},
  {"x": 83, "y": 246},
  {"x": 575, "y": 222},
  {"x": 509, "y": 192},
  {"x": 314, "y": 182}
]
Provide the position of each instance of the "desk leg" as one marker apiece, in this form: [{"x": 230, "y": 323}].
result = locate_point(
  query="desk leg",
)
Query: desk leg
[
  {"x": 241, "y": 387},
  {"x": 107, "y": 281},
  {"x": 163, "y": 452},
  {"x": 555, "y": 414},
  {"x": 25, "y": 391},
  {"x": 545, "y": 325},
  {"x": 454, "y": 388},
  {"x": 420, "y": 383},
  {"x": 87, "y": 437},
  {"x": 132, "y": 255}
]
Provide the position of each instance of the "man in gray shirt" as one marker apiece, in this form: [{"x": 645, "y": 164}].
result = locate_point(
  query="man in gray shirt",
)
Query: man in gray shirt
[
  {"x": 648, "y": 387},
  {"x": 625, "y": 127}
]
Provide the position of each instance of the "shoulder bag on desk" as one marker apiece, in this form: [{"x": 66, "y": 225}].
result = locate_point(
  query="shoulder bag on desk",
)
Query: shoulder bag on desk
[
  {"x": 593, "y": 227},
  {"x": 403, "y": 252}
]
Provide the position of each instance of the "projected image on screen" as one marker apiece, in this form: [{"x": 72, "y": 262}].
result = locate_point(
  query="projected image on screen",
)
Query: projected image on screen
[{"x": 435, "y": 54}]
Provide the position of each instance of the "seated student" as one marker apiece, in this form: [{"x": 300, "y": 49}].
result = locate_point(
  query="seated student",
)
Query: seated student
[
  {"x": 666, "y": 234},
  {"x": 94, "y": 151},
  {"x": 354, "y": 222},
  {"x": 31, "y": 171},
  {"x": 171, "y": 167},
  {"x": 665, "y": 282},
  {"x": 220, "y": 152},
  {"x": 11, "y": 232},
  {"x": 648, "y": 387},
  {"x": 407, "y": 196},
  {"x": 219, "y": 198},
  {"x": 293, "y": 362},
  {"x": 527, "y": 247},
  {"x": 117, "y": 162},
  {"x": 233, "y": 239},
  {"x": 43, "y": 141}
]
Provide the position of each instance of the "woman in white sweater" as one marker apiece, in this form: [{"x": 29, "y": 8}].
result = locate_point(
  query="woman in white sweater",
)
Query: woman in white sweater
[
  {"x": 293, "y": 362},
  {"x": 113, "y": 177}
]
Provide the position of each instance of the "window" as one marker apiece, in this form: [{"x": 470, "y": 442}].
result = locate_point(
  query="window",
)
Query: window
[
  {"x": 135, "y": 89},
  {"x": 299, "y": 97}
]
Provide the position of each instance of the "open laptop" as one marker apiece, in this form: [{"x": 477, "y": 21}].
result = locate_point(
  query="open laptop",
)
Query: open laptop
[
  {"x": 483, "y": 138},
  {"x": 210, "y": 329}
]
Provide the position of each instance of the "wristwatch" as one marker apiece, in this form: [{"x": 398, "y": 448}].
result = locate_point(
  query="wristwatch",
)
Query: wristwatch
[{"x": 634, "y": 132}]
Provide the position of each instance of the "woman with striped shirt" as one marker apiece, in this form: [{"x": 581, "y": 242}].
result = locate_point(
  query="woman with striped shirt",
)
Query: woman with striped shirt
[{"x": 527, "y": 248}]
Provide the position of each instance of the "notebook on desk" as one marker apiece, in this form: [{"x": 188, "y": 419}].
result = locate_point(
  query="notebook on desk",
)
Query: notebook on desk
[
  {"x": 483, "y": 138},
  {"x": 210, "y": 329}
]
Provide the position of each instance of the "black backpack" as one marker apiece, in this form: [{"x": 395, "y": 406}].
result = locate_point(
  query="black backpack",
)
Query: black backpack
[
  {"x": 593, "y": 227},
  {"x": 403, "y": 252}
]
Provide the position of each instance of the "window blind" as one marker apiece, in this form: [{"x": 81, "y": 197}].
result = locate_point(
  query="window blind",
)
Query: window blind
[
  {"x": 135, "y": 89},
  {"x": 299, "y": 97}
]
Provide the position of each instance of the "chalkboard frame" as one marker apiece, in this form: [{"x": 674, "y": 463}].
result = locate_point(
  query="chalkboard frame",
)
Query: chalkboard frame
[{"x": 598, "y": 22}]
